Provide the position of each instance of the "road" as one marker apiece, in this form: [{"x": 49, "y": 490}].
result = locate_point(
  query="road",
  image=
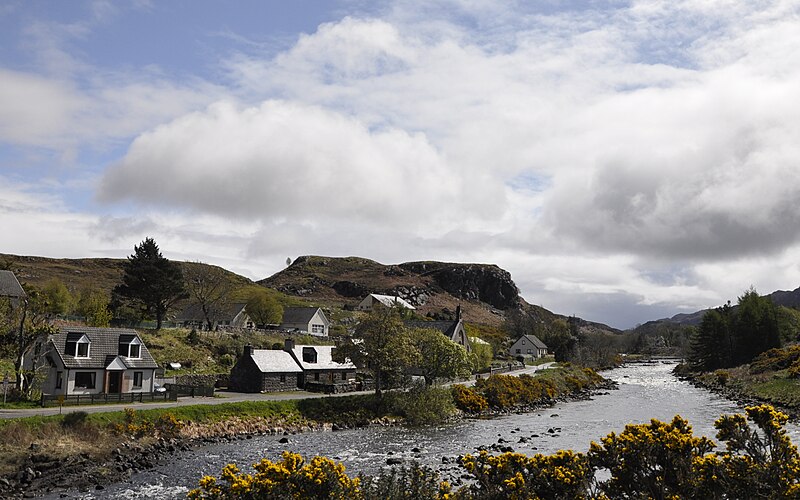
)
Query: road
[{"x": 221, "y": 398}]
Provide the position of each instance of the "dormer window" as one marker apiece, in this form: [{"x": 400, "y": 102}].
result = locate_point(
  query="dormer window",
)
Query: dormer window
[
  {"x": 309, "y": 355},
  {"x": 130, "y": 347},
  {"x": 78, "y": 345}
]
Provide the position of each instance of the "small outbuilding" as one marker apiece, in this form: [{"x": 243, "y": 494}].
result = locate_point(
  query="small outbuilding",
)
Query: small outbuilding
[
  {"x": 320, "y": 371},
  {"x": 265, "y": 370}
]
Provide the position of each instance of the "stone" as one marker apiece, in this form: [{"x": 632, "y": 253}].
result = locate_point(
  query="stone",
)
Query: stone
[
  {"x": 394, "y": 461},
  {"x": 283, "y": 440}
]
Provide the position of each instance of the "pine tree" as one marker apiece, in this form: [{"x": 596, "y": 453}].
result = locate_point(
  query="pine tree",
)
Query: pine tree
[{"x": 152, "y": 281}]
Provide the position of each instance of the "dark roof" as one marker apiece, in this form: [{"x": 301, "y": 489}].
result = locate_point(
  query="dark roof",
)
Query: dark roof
[
  {"x": 194, "y": 312},
  {"x": 533, "y": 339},
  {"x": 103, "y": 349},
  {"x": 9, "y": 286},
  {"x": 446, "y": 327},
  {"x": 298, "y": 314}
]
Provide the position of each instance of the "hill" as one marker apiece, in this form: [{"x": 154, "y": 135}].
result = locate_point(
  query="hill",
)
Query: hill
[
  {"x": 77, "y": 274},
  {"x": 485, "y": 292}
]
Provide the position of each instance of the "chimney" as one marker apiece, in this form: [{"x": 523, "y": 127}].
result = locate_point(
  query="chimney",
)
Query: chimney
[
  {"x": 288, "y": 344},
  {"x": 458, "y": 312},
  {"x": 248, "y": 350}
]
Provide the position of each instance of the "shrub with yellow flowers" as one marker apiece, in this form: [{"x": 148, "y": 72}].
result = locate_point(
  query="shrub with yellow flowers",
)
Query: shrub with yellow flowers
[{"x": 656, "y": 460}]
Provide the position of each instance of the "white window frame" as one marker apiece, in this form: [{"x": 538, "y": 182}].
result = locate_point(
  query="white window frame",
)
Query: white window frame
[{"x": 78, "y": 345}]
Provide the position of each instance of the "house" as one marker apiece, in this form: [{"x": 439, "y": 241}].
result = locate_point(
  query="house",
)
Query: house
[
  {"x": 528, "y": 346},
  {"x": 320, "y": 371},
  {"x": 88, "y": 360},
  {"x": 454, "y": 329},
  {"x": 265, "y": 370},
  {"x": 10, "y": 287},
  {"x": 375, "y": 300},
  {"x": 295, "y": 367},
  {"x": 306, "y": 319},
  {"x": 232, "y": 315}
]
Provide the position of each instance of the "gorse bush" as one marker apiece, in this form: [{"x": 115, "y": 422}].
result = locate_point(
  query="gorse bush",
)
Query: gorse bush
[
  {"x": 657, "y": 460},
  {"x": 467, "y": 400},
  {"x": 135, "y": 425}
]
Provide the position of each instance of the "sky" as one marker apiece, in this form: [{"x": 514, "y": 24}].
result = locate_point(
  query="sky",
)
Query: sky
[{"x": 624, "y": 160}]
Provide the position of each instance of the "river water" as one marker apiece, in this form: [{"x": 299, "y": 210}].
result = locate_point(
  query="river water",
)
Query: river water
[{"x": 645, "y": 391}]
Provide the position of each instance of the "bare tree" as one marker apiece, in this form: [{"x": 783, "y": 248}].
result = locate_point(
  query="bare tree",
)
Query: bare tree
[{"x": 209, "y": 288}]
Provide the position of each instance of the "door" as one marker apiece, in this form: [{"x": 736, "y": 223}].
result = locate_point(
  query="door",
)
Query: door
[{"x": 114, "y": 382}]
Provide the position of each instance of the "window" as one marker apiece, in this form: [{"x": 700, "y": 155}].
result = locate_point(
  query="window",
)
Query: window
[
  {"x": 316, "y": 377},
  {"x": 59, "y": 379},
  {"x": 135, "y": 351},
  {"x": 82, "y": 350},
  {"x": 137, "y": 379},
  {"x": 84, "y": 380},
  {"x": 283, "y": 377},
  {"x": 317, "y": 328},
  {"x": 519, "y": 351},
  {"x": 131, "y": 348},
  {"x": 529, "y": 351},
  {"x": 309, "y": 355}
]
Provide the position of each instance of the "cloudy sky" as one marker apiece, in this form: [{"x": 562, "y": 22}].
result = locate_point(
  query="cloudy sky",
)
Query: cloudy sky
[{"x": 624, "y": 160}]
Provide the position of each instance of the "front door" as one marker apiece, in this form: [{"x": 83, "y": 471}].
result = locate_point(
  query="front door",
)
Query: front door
[{"x": 114, "y": 382}]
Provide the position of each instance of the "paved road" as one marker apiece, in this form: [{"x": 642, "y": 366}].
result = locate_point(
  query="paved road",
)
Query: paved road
[{"x": 222, "y": 397}]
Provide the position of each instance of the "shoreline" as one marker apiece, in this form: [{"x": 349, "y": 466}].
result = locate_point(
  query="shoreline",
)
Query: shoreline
[{"x": 79, "y": 474}]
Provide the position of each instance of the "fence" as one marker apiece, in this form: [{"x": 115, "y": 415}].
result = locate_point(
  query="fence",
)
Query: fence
[
  {"x": 93, "y": 399},
  {"x": 190, "y": 390}
]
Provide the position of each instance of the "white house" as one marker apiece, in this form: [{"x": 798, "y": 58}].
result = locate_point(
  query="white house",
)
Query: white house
[
  {"x": 86, "y": 360},
  {"x": 375, "y": 300},
  {"x": 306, "y": 319},
  {"x": 528, "y": 346}
]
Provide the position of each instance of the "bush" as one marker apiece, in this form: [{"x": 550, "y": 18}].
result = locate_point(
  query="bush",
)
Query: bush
[
  {"x": 775, "y": 359},
  {"x": 74, "y": 419},
  {"x": 467, "y": 400},
  {"x": 291, "y": 477},
  {"x": 655, "y": 460},
  {"x": 423, "y": 404}
]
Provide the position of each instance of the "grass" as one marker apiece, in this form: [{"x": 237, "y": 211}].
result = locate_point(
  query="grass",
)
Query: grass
[
  {"x": 540, "y": 361},
  {"x": 779, "y": 389}
]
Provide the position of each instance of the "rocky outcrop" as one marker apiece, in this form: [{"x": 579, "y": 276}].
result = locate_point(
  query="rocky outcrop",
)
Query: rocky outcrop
[{"x": 483, "y": 282}]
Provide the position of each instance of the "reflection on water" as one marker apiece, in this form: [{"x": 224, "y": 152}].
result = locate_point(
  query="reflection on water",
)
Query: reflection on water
[{"x": 645, "y": 392}]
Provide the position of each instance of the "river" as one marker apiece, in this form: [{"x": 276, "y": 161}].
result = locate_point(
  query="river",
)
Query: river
[{"x": 645, "y": 391}]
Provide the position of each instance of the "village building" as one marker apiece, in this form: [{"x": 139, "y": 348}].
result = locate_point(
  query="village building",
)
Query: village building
[
  {"x": 309, "y": 320},
  {"x": 452, "y": 329},
  {"x": 10, "y": 288},
  {"x": 231, "y": 315},
  {"x": 320, "y": 371},
  {"x": 265, "y": 370},
  {"x": 374, "y": 300},
  {"x": 87, "y": 360},
  {"x": 295, "y": 367},
  {"x": 528, "y": 346}
]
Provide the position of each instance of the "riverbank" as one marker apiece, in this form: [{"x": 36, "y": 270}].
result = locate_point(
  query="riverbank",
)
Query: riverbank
[
  {"x": 89, "y": 452},
  {"x": 778, "y": 388}
]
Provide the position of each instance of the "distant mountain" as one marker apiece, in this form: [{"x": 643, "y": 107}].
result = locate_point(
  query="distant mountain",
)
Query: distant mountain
[{"x": 779, "y": 298}]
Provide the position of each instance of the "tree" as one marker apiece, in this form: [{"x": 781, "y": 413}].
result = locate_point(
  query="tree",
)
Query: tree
[
  {"x": 32, "y": 325},
  {"x": 57, "y": 298},
  {"x": 382, "y": 344},
  {"x": 264, "y": 308},
  {"x": 152, "y": 281},
  {"x": 93, "y": 306},
  {"x": 210, "y": 288},
  {"x": 712, "y": 345},
  {"x": 755, "y": 328},
  {"x": 439, "y": 357}
]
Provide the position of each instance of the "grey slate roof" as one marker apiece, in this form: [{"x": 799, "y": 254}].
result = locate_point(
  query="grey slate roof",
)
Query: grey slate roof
[
  {"x": 293, "y": 315},
  {"x": 103, "y": 349},
  {"x": 194, "y": 312},
  {"x": 9, "y": 286},
  {"x": 274, "y": 361},
  {"x": 324, "y": 358},
  {"x": 446, "y": 327},
  {"x": 534, "y": 340}
]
